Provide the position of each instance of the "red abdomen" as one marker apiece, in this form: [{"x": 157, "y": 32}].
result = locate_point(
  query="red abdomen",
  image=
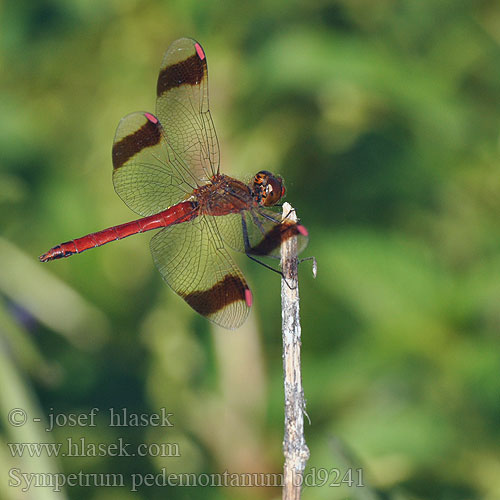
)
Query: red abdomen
[{"x": 182, "y": 212}]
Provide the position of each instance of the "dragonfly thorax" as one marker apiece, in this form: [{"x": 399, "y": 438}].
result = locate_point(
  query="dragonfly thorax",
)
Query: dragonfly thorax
[
  {"x": 223, "y": 195},
  {"x": 268, "y": 189}
]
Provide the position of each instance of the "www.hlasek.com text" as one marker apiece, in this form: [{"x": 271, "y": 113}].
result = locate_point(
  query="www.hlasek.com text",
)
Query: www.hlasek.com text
[{"x": 81, "y": 447}]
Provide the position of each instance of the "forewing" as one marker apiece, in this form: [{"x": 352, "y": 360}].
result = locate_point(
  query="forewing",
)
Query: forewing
[
  {"x": 259, "y": 232},
  {"x": 192, "y": 259},
  {"x": 147, "y": 174},
  {"x": 266, "y": 231},
  {"x": 183, "y": 110}
]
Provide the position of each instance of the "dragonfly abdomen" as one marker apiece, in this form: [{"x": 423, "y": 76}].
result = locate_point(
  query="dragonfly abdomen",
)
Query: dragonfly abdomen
[{"x": 182, "y": 212}]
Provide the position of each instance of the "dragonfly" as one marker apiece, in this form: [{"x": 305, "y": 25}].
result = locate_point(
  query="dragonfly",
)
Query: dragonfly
[{"x": 166, "y": 168}]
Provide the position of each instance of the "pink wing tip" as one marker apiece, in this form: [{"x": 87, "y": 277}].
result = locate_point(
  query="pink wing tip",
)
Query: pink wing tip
[
  {"x": 248, "y": 297},
  {"x": 151, "y": 118},
  {"x": 302, "y": 230},
  {"x": 199, "y": 51}
]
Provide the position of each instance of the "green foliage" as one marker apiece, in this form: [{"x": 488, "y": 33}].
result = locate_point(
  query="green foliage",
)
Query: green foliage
[{"x": 383, "y": 119}]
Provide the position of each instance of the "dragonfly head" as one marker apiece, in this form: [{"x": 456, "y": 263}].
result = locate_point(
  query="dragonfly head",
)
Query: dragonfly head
[{"x": 268, "y": 188}]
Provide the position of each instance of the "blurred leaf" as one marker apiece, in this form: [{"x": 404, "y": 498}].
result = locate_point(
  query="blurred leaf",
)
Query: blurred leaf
[{"x": 53, "y": 303}]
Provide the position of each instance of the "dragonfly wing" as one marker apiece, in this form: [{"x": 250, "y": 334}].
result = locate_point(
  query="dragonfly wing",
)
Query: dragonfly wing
[
  {"x": 193, "y": 261},
  {"x": 259, "y": 232},
  {"x": 183, "y": 110},
  {"x": 147, "y": 174},
  {"x": 230, "y": 229}
]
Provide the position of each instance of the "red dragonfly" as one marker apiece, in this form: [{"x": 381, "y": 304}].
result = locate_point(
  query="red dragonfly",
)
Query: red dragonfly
[{"x": 166, "y": 168}]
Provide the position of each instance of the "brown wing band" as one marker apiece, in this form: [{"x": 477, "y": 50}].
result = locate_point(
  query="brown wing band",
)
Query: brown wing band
[
  {"x": 190, "y": 71},
  {"x": 223, "y": 293},
  {"x": 272, "y": 240},
  {"x": 148, "y": 135}
]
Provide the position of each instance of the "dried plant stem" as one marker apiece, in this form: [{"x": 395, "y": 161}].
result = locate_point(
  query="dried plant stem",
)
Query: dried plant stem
[{"x": 294, "y": 444}]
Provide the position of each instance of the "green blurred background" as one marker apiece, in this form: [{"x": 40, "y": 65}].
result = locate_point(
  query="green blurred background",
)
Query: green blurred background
[{"x": 383, "y": 117}]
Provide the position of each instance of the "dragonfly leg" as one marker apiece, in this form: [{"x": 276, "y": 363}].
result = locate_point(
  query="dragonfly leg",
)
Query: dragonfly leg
[
  {"x": 292, "y": 210},
  {"x": 267, "y": 266},
  {"x": 271, "y": 269},
  {"x": 314, "y": 264},
  {"x": 248, "y": 250}
]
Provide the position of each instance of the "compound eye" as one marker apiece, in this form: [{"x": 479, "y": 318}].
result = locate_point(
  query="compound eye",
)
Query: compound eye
[
  {"x": 274, "y": 191},
  {"x": 267, "y": 188}
]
